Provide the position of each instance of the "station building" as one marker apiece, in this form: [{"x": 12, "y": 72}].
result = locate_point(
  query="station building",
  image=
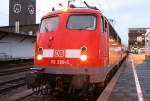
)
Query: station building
[{"x": 136, "y": 40}]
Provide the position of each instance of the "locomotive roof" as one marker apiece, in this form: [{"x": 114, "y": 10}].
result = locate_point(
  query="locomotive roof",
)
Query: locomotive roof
[
  {"x": 74, "y": 10},
  {"x": 114, "y": 34}
]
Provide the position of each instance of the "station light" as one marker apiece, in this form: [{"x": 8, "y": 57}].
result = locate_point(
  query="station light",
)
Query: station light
[{"x": 39, "y": 57}]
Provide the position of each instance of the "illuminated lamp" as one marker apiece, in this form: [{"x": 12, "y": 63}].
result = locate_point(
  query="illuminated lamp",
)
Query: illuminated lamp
[
  {"x": 83, "y": 54},
  {"x": 83, "y": 57},
  {"x": 39, "y": 57}
]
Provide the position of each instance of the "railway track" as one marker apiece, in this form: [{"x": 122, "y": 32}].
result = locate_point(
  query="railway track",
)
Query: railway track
[
  {"x": 12, "y": 84},
  {"x": 6, "y": 65},
  {"x": 55, "y": 96},
  {"x": 12, "y": 75},
  {"x": 14, "y": 70}
]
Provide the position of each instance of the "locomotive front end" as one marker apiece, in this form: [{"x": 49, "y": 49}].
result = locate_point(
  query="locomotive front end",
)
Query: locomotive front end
[
  {"x": 67, "y": 40},
  {"x": 67, "y": 46}
]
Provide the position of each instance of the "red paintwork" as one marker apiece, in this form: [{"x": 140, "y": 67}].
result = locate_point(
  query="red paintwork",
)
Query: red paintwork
[{"x": 97, "y": 43}]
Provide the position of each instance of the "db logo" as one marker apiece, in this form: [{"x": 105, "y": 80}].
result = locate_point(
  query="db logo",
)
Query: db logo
[{"x": 59, "y": 53}]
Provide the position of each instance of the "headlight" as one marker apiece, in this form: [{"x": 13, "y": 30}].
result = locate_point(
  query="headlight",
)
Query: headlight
[
  {"x": 83, "y": 57},
  {"x": 83, "y": 54},
  {"x": 39, "y": 57}
]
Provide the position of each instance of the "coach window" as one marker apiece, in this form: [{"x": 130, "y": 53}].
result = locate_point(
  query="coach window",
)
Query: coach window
[{"x": 102, "y": 24}]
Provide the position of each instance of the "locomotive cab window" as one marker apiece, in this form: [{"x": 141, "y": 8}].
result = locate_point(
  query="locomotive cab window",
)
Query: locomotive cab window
[
  {"x": 82, "y": 22},
  {"x": 49, "y": 24}
]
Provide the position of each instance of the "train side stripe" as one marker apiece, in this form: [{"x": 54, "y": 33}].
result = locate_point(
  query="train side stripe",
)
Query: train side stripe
[
  {"x": 48, "y": 53},
  {"x": 72, "y": 53}
]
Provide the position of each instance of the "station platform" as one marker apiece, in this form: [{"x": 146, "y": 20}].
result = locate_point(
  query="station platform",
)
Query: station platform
[{"x": 131, "y": 82}]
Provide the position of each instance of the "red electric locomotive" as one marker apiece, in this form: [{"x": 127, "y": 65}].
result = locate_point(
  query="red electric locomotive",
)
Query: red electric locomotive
[{"x": 77, "y": 47}]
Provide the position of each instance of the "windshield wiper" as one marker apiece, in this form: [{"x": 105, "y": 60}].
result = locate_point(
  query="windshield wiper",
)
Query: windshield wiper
[
  {"x": 46, "y": 29},
  {"x": 86, "y": 28}
]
